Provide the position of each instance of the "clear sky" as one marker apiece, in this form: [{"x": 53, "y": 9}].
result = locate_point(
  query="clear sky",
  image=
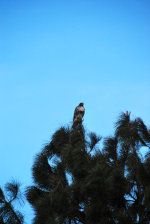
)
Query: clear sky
[{"x": 55, "y": 54}]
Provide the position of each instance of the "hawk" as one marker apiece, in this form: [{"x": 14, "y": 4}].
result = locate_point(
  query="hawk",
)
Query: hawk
[{"x": 78, "y": 114}]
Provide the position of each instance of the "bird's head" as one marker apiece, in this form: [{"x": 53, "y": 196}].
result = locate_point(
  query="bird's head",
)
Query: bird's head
[{"x": 81, "y": 104}]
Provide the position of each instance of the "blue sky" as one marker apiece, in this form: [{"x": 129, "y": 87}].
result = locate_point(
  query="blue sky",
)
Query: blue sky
[{"x": 56, "y": 54}]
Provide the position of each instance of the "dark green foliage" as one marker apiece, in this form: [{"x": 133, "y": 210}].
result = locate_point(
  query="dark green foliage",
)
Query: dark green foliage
[
  {"x": 7, "y": 212},
  {"x": 144, "y": 132},
  {"x": 108, "y": 186},
  {"x": 94, "y": 139},
  {"x": 42, "y": 172}
]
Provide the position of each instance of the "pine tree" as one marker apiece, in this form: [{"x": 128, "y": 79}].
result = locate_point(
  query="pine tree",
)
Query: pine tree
[
  {"x": 8, "y": 214},
  {"x": 77, "y": 182}
]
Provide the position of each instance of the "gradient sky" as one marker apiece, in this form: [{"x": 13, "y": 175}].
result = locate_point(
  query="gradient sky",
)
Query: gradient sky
[{"x": 56, "y": 54}]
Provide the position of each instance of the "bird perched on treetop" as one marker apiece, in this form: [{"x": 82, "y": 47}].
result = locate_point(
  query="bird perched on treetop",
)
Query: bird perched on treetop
[{"x": 78, "y": 114}]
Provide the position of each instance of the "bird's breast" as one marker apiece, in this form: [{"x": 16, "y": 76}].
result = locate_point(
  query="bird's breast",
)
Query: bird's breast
[{"x": 81, "y": 109}]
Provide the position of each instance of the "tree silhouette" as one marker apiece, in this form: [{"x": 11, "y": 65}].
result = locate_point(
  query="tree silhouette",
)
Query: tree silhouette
[
  {"x": 8, "y": 214},
  {"x": 78, "y": 182}
]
